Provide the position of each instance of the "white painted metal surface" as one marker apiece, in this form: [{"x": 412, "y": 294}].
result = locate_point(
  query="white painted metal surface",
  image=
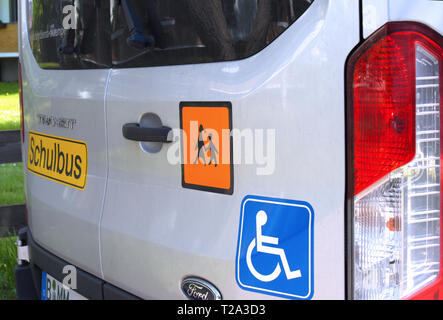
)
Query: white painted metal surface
[
  {"x": 154, "y": 233},
  {"x": 377, "y": 12},
  {"x": 65, "y": 220}
]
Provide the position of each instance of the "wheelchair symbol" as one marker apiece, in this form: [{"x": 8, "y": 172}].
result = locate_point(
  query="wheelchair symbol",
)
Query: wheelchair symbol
[{"x": 259, "y": 241}]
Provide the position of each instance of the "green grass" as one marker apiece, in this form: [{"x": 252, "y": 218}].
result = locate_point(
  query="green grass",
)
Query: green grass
[
  {"x": 11, "y": 184},
  {"x": 11, "y": 187},
  {"x": 11, "y": 175},
  {"x": 8, "y": 260},
  {"x": 9, "y": 106}
]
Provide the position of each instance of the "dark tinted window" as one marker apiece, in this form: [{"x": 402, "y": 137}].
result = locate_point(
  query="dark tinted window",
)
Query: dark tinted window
[
  {"x": 169, "y": 32},
  {"x": 70, "y": 34},
  {"x": 141, "y": 33},
  {"x": 13, "y": 10}
]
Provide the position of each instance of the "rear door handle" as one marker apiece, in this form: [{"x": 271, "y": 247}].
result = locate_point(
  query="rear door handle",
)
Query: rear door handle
[{"x": 133, "y": 131}]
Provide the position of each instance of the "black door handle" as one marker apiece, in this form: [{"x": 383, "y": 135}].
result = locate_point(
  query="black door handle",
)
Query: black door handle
[{"x": 133, "y": 131}]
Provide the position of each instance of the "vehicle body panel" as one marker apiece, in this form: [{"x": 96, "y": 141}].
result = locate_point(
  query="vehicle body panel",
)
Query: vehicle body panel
[
  {"x": 154, "y": 233},
  {"x": 63, "y": 219},
  {"x": 377, "y": 12}
]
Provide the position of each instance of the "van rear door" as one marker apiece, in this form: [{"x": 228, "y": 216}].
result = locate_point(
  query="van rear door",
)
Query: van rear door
[
  {"x": 271, "y": 75},
  {"x": 65, "y": 69}
]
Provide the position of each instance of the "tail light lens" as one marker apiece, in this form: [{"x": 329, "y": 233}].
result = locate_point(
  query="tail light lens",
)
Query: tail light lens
[{"x": 394, "y": 162}]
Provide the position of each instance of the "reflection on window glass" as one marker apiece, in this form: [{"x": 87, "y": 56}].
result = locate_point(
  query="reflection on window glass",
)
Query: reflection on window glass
[
  {"x": 79, "y": 34},
  {"x": 70, "y": 34},
  {"x": 169, "y": 32}
]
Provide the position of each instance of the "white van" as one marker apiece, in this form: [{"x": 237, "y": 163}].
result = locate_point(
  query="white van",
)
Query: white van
[{"x": 231, "y": 149}]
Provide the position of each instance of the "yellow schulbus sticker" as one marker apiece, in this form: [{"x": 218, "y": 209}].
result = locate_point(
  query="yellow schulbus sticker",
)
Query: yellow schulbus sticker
[{"x": 58, "y": 159}]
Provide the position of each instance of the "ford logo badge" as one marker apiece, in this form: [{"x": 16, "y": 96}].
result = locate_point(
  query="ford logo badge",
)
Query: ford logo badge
[{"x": 198, "y": 289}]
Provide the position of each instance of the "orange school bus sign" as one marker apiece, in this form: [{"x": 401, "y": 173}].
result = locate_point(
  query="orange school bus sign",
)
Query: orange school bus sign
[{"x": 206, "y": 143}]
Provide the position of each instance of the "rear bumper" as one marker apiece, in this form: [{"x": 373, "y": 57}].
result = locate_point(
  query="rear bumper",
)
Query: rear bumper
[{"x": 28, "y": 276}]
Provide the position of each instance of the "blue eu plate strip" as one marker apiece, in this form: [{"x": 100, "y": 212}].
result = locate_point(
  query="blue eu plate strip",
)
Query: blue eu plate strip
[{"x": 44, "y": 277}]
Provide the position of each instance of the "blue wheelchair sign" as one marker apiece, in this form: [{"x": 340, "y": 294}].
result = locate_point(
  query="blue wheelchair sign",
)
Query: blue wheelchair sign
[{"x": 275, "y": 247}]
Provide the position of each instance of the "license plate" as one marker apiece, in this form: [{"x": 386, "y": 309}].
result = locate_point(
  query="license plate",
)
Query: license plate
[{"x": 53, "y": 289}]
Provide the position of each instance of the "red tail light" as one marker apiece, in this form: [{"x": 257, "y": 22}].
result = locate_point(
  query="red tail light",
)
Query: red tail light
[
  {"x": 384, "y": 109},
  {"x": 22, "y": 119},
  {"x": 394, "y": 181}
]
